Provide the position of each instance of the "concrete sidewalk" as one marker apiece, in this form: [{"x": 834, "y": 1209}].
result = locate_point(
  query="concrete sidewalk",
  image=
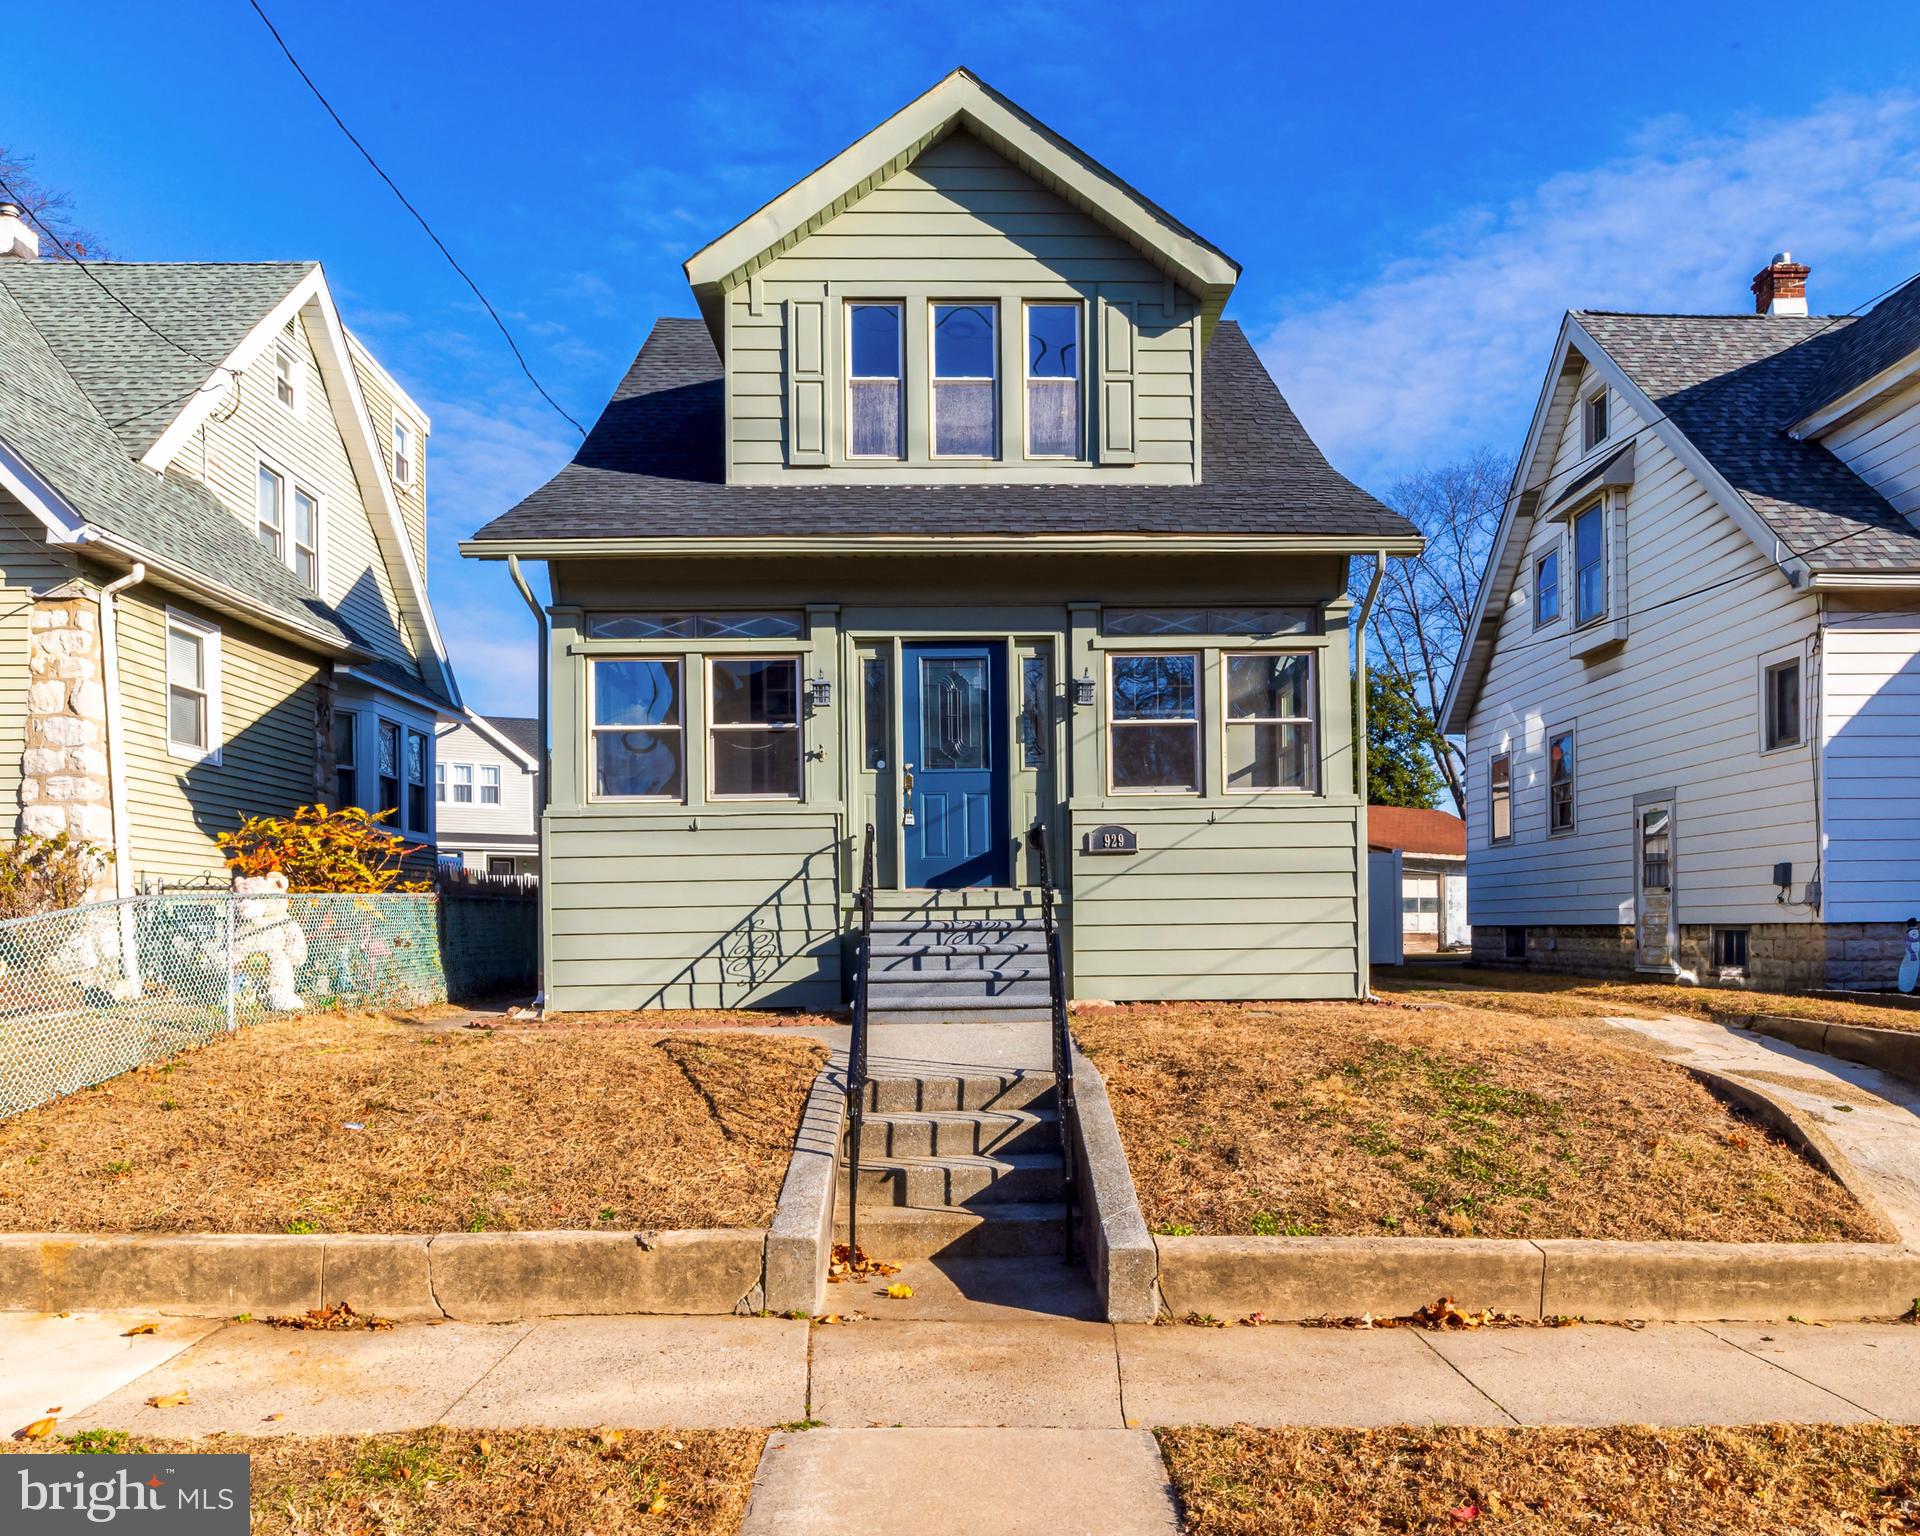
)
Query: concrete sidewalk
[{"x": 974, "y": 1371}]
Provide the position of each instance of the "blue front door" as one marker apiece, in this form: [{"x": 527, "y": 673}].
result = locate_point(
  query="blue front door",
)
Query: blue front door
[{"x": 955, "y": 758}]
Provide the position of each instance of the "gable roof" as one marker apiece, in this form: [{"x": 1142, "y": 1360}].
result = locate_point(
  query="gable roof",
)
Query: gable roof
[
  {"x": 137, "y": 379},
  {"x": 1884, "y": 337},
  {"x": 653, "y": 468},
  {"x": 1411, "y": 829},
  {"x": 523, "y": 731},
  {"x": 963, "y": 101}
]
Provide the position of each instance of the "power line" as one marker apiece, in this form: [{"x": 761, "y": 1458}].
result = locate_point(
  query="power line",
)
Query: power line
[{"x": 419, "y": 217}]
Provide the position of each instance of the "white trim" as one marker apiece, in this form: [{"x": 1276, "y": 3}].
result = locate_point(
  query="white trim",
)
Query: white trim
[
  {"x": 679, "y": 723},
  {"x": 400, "y": 396},
  {"x": 48, "y": 506},
  {"x": 212, "y": 719},
  {"x": 1598, "y": 506},
  {"x": 1859, "y": 398},
  {"x": 797, "y": 726},
  {"x": 1311, "y": 720},
  {"x": 484, "y": 727},
  {"x": 459, "y": 783},
  {"x": 886, "y": 544},
  {"x": 1199, "y": 785},
  {"x": 481, "y": 786},
  {"x": 293, "y": 485},
  {"x": 284, "y": 351},
  {"x": 398, "y": 425}
]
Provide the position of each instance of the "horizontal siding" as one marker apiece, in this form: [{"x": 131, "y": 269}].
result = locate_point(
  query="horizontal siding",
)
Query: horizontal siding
[
  {"x": 1675, "y": 708},
  {"x": 1871, "y": 723},
  {"x": 1256, "y": 902},
  {"x": 665, "y": 916},
  {"x": 1882, "y": 447},
  {"x": 27, "y": 564},
  {"x": 519, "y": 788},
  {"x": 412, "y": 497}
]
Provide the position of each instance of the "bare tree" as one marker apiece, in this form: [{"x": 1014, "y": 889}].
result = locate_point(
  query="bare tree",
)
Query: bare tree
[
  {"x": 1420, "y": 616},
  {"x": 50, "y": 211}
]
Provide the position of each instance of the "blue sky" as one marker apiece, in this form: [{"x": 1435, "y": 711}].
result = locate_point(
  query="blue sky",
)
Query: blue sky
[{"x": 1415, "y": 191}]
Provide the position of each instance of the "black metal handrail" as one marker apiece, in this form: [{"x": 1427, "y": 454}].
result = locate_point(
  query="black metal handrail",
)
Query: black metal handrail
[
  {"x": 857, "y": 1048},
  {"x": 1062, "y": 1039}
]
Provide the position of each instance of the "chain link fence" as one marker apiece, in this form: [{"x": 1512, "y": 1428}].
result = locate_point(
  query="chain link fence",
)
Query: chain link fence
[{"x": 92, "y": 991}]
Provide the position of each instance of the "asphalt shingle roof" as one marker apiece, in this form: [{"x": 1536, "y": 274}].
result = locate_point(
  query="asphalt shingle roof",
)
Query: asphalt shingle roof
[
  {"x": 1873, "y": 343},
  {"x": 138, "y": 380},
  {"x": 653, "y": 468},
  {"x": 521, "y": 730},
  {"x": 1733, "y": 384}
]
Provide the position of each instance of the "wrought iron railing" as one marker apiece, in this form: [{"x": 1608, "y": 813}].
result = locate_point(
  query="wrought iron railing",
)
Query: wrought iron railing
[
  {"x": 857, "y": 1047},
  {"x": 1062, "y": 1038}
]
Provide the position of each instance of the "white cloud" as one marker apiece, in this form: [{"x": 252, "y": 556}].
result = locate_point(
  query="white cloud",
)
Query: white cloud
[{"x": 1444, "y": 351}]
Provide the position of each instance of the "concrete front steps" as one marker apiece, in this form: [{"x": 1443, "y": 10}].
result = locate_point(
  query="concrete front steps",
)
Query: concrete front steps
[
  {"x": 972, "y": 956},
  {"x": 958, "y": 1166}
]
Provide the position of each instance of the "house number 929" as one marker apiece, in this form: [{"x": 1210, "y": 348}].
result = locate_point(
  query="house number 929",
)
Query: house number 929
[{"x": 1112, "y": 840}]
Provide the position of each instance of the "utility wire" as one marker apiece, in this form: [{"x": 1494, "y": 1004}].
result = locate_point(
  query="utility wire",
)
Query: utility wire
[{"x": 419, "y": 217}]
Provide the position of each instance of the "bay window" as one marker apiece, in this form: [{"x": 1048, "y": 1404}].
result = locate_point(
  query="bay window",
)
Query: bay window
[
  {"x": 390, "y": 769},
  {"x": 346, "y": 734},
  {"x": 418, "y": 750},
  {"x": 966, "y": 348},
  {"x": 753, "y": 727},
  {"x": 638, "y": 730},
  {"x": 1153, "y": 727},
  {"x": 1269, "y": 720}
]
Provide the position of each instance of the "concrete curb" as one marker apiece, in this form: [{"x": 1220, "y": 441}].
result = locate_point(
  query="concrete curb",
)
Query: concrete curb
[
  {"x": 1895, "y": 1052},
  {"x": 1119, "y": 1251},
  {"x": 800, "y": 1241},
  {"x": 1295, "y": 1278}
]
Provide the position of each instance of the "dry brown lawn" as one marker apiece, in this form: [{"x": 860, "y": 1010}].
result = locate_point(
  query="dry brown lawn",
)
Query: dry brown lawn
[
  {"x": 1543, "y": 994},
  {"x": 1331, "y": 1119},
  {"x": 537, "y": 1482},
  {"x": 1770, "y": 1480},
  {"x": 379, "y": 1123}
]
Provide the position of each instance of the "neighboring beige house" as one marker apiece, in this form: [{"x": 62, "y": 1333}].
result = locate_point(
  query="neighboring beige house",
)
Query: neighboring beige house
[
  {"x": 487, "y": 785},
  {"x": 1691, "y": 686},
  {"x": 959, "y": 511},
  {"x": 212, "y": 545}
]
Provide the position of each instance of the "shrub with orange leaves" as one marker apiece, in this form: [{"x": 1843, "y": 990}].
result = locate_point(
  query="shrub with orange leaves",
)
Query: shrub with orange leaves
[{"x": 318, "y": 849}]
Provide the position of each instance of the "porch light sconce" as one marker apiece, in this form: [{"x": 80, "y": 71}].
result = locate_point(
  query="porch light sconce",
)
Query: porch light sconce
[
  {"x": 819, "y": 690},
  {"x": 1083, "y": 689}
]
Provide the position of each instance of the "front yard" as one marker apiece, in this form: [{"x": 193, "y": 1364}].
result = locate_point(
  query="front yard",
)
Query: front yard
[
  {"x": 1463, "y": 1119},
  {"x": 387, "y": 1123}
]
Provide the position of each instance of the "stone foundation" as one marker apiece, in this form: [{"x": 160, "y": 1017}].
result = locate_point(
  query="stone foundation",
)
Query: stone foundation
[
  {"x": 63, "y": 769},
  {"x": 1779, "y": 955}
]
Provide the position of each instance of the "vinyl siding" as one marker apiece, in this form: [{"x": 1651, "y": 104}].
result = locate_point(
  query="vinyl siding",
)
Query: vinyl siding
[
  {"x": 378, "y": 392},
  {"x": 1871, "y": 729},
  {"x": 27, "y": 565},
  {"x": 225, "y": 455},
  {"x": 268, "y": 719},
  {"x": 1676, "y": 707},
  {"x": 1882, "y": 446},
  {"x": 960, "y": 223},
  {"x": 514, "y": 816}
]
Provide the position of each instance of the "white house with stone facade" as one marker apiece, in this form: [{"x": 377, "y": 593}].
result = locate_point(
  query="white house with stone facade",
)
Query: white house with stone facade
[
  {"x": 1690, "y": 690},
  {"x": 213, "y": 556}
]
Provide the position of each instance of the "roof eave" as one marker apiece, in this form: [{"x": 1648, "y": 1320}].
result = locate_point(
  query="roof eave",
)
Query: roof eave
[
  {"x": 1860, "y": 398},
  {"x": 907, "y": 544}
]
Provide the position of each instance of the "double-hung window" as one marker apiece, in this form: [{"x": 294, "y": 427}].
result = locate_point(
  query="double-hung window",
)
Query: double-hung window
[
  {"x": 1269, "y": 720},
  {"x": 489, "y": 783},
  {"x": 1546, "y": 588},
  {"x": 1782, "y": 703},
  {"x": 440, "y": 783},
  {"x": 876, "y": 356},
  {"x": 1560, "y": 809},
  {"x": 753, "y": 727},
  {"x": 287, "y": 522},
  {"x": 1594, "y": 422},
  {"x": 286, "y": 379},
  {"x": 402, "y": 452},
  {"x": 463, "y": 783},
  {"x": 193, "y": 689},
  {"x": 639, "y": 750},
  {"x": 418, "y": 751},
  {"x": 1590, "y": 564},
  {"x": 390, "y": 770},
  {"x": 1153, "y": 728},
  {"x": 1053, "y": 380},
  {"x": 966, "y": 348},
  {"x": 1500, "y": 798},
  {"x": 346, "y": 736}
]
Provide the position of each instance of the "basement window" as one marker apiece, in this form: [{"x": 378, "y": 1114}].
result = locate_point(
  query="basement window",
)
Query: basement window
[
  {"x": 1730, "y": 951},
  {"x": 1516, "y": 944}
]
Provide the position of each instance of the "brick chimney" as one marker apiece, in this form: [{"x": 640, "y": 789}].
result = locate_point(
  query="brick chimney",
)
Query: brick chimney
[
  {"x": 1780, "y": 287},
  {"x": 17, "y": 237}
]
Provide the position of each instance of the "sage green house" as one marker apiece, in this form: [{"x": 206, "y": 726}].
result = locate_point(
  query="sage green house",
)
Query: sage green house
[{"x": 958, "y": 512}]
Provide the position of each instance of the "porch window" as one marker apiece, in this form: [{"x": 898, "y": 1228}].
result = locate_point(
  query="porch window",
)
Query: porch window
[
  {"x": 1500, "y": 798},
  {"x": 1590, "y": 564},
  {"x": 696, "y": 626},
  {"x": 638, "y": 738},
  {"x": 417, "y": 754},
  {"x": 873, "y": 381},
  {"x": 753, "y": 727},
  {"x": 966, "y": 347},
  {"x": 1153, "y": 732},
  {"x": 346, "y": 736},
  {"x": 390, "y": 768},
  {"x": 1253, "y": 623},
  {"x": 1560, "y": 782},
  {"x": 1269, "y": 721},
  {"x": 1053, "y": 381}
]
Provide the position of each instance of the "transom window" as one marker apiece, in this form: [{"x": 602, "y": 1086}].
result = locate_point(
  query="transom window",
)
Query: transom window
[
  {"x": 696, "y": 626},
  {"x": 1153, "y": 729},
  {"x": 1053, "y": 356},
  {"x": 1546, "y": 588},
  {"x": 1560, "y": 782},
  {"x": 1250, "y": 622},
  {"x": 1590, "y": 564},
  {"x": 966, "y": 347},
  {"x": 753, "y": 727},
  {"x": 193, "y": 689},
  {"x": 1783, "y": 704},
  {"x": 287, "y": 522},
  {"x": 876, "y": 356},
  {"x": 638, "y": 730},
  {"x": 1500, "y": 798},
  {"x": 1269, "y": 720}
]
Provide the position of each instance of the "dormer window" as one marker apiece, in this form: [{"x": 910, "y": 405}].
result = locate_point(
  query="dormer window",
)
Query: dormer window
[
  {"x": 965, "y": 350},
  {"x": 1053, "y": 381},
  {"x": 1594, "y": 425},
  {"x": 286, "y": 378},
  {"x": 874, "y": 416}
]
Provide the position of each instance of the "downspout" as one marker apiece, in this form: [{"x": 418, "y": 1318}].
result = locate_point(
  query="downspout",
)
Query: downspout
[
  {"x": 540, "y": 817},
  {"x": 1364, "y": 896},
  {"x": 117, "y": 771}
]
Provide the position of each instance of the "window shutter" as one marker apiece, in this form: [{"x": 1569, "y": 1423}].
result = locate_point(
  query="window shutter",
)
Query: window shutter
[
  {"x": 1117, "y": 383},
  {"x": 806, "y": 381}
]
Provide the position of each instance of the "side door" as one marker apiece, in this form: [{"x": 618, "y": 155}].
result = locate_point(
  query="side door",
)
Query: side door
[
  {"x": 954, "y": 765},
  {"x": 1656, "y": 929}
]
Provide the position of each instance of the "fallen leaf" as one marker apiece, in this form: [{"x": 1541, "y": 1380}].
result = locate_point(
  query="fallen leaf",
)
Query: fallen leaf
[
  {"x": 659, "y": 1504},
  {"x": 169, "y": 1400},
  {"x": 899, "y": 1292},
  {"x": 140, "y": 1328},
  {"x": 39, "y": 1429},
  {"x": 1465, "y": 1514},
  {"x": 332, "y": 1319},
  {"x": 829, "y": 1319}
]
